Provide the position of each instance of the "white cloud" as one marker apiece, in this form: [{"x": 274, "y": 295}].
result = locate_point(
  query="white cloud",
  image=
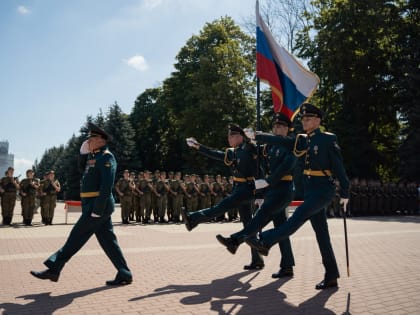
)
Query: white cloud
[
  {"x": 21, "y": 165},
  {"x": 137, "y": 62},
  {"x": 151, "y": 4},
  {"x": 23, "y": 10}
]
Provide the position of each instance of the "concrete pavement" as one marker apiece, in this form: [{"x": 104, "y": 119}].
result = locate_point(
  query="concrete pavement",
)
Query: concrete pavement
[{"x": 180, "y": 272}]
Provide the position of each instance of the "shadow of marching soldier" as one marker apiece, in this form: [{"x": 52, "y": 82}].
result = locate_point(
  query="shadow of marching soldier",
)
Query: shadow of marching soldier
[{"x": 45, "y": 302}]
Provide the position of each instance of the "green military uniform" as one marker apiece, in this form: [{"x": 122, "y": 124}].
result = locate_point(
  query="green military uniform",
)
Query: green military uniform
[
  {"x": 145, "y": 200},
  {"x": 176, "y": 199},
  {"x": 49, "y": 200},
  {"x": 191, "y": 197},
  {"x": 161, "y": 200},
  {"x": 322, "y": 161},
  {"x": 125, "y": 187},
  {"x": 28, "y": 191},
  {"x": 205, "y": 197},
  {"x": 97, "y": 206},
  {"x": 8, "y": 200}
]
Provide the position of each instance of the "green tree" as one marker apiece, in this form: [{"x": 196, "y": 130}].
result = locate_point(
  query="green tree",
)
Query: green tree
[
  {"x": 352, "y": 52},
  {"x": 408, "y": 73},
  {"x": 211, "y": 87},
  {"x": 122, "y": 145}
]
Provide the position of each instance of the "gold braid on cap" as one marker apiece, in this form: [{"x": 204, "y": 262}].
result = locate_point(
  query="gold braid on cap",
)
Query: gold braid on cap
[
  {"x": 227, "y": 162},
  {"x": 296, "y": 152}
]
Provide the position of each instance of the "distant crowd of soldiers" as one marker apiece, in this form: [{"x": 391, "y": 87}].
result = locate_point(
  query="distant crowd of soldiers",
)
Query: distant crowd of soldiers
[
  {"x": 158, "y": 197},
  {"x": 372, "y": 197},
  {"x": 33, "y": 192}
]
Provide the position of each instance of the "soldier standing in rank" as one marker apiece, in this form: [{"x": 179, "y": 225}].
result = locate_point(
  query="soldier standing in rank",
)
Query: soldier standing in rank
[
  {"x": 161, "y": 189},
  {"x": 146, "y": 187},
  {"x": 169, "y": 195},
  {"x": 9, "y": 186},
  {"x": 124, "y": 189},
  {"x": 364, "y": 197},
  {"x": 217, "y": 190},
  {"x": 134, "y": 197},
  {"x": 354, "y": 202},
  {"x": 49, "y": 189},
  {"x": 205, "y": 193},
  {"x": 278, "y": 193},
  {"x": 175, "y": 197},
  {"x": 241, "y": 157},
  {"x": 228, "y": 187},
  {"x": 191, "y": 194},
  {"x": 137, "y": 195},
  {"x": 98, "y": 203},
  {"x": 28, "y": 190},
  {"x": 322, "y": 161}
]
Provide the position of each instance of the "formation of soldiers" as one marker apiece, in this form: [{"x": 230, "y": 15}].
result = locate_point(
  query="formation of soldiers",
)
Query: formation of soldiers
[
  {"x": 373, "y": 197},
  {"x": 158, "y": 197},
  {"x": 32, "y": 192}
]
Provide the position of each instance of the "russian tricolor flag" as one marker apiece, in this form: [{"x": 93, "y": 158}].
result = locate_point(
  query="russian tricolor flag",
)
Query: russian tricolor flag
[{"x": 291, "y": 84}]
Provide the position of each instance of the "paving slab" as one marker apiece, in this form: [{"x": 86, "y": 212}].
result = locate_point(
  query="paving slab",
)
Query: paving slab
[{"x": 180, "y": 272}]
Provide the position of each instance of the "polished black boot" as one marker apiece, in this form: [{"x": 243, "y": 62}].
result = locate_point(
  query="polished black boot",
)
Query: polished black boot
[
  {"x": 327, "y": 283},
  {"x": 283, "y": 272},
  {"x": 254, "y": 266},
  {"x": 46, "y": 275},
  {"x": 189, "y": 224},
  {"x": 230, "y": 243}
]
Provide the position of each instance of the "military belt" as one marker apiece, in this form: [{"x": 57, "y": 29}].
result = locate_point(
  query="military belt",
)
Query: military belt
[
  {"x": 317, "y": 173},
  {"x": 89, "y": 194},
  {"x": 287, "y": 177},
  {"x": 243, "y": 179}
]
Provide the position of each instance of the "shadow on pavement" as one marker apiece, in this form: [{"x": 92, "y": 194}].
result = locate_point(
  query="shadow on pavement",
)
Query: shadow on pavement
[
  {"x": 45, "y": 303},
  {"x": 232, "y": 296}
]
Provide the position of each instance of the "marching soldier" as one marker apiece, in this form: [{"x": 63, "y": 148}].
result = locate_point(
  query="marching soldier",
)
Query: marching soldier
[
  {"x": 322, "y": 161},
  {"x": 49, "y": 189},
  {"x": 28, "y": 190},
  {"x": 9, "y": 186},
  {"x": 279, "y": 163},
  {"x": 125, "y": 188},
  {"x": 97, "y": 206},
  {"x": 241, "y": 158}
]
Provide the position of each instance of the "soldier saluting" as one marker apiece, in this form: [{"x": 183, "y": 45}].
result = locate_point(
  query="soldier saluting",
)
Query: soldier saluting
[
  {"x": 322, "y": 161},
  {"x": 97, "y": 206}
]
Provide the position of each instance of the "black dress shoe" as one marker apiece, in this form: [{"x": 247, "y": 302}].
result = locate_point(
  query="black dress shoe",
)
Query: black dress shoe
[
  {"x": 254, "y": 266},
  {"x": 46, "y": 274},
  {"x": 258, "y": 245},
  {"x": 189, "y": 224},
  {"x": 119, "y": 281},
  {"x": 325, "y": 284},
  {"x": 283, "y": 272},
  {"x": 230, "y": 243}
]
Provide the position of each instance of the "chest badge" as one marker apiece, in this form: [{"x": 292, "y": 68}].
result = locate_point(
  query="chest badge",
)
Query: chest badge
[{"x": 315, "y": 149}]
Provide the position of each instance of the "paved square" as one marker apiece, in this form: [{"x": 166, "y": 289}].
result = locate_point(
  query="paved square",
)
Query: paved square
[{"x": 180, "y": 272}]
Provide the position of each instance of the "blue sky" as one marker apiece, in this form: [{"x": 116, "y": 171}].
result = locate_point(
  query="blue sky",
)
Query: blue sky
[{"x": 62, "y": 60}]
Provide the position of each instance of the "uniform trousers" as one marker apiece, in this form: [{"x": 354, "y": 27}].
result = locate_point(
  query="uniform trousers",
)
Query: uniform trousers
[
  {"x": 276, "y": 200},
  {"x": 241, "y": 197},
  {"x": 319, "y": 192},
  {"x": 85, "y": 227}
]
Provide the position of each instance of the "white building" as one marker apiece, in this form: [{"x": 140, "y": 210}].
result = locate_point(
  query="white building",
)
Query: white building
[{"x": 6, "y": 159}]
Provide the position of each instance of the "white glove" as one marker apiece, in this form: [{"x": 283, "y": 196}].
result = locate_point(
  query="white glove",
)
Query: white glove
[
  {"x": 260, "y": 183},
  {"x": 249, "y": 132},
  {"x": 259, "y": 202},
  {"x": 191, "y": 142},
  {"x": 84, "y": 149},
  {"x": 94, "y": 215},
  {"x": 344, "y": 202}
]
